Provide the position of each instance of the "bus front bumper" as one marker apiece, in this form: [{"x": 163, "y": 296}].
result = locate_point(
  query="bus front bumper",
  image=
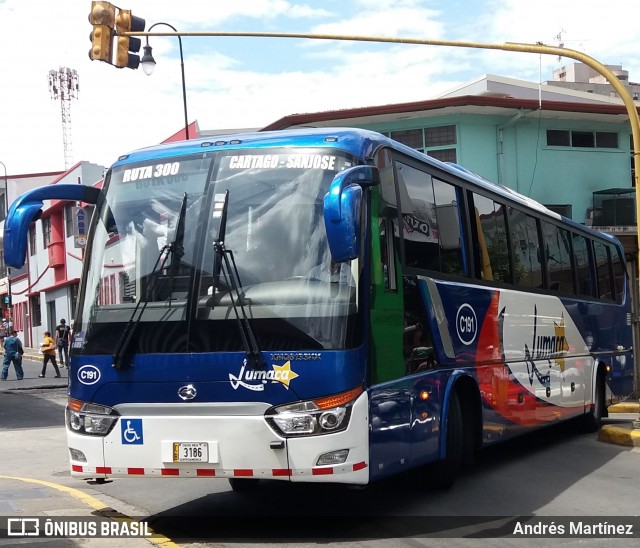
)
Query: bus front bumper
[{"x": 221, "y": 446}]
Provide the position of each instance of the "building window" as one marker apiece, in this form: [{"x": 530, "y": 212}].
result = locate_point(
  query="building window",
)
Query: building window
[
  {"x": 32, "y": 240},
  {"x": 36, "y": 314},
  {"x": 440, "y": 136},
  {"x": 410, "y": 137},
  {"x": 444, "y": 154},
  {"x": 606, "y": 139},
  {"x": 582, "y": 139},
  {"x": 68, "y": 219},
  {"x": 566, "y": 210},
  {"x": 46, "y": 231},
  {"x": 73, "y": 296},
  {"x": 558, "y": 138},
  {"x": 434, "y": 141}
]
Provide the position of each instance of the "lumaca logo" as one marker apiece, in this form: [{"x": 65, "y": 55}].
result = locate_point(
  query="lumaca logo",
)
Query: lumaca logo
[{"x": 255, "y": 379}]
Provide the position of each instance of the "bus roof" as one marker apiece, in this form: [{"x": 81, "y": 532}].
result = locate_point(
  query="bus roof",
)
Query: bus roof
[{"x": 361, "y": 143}]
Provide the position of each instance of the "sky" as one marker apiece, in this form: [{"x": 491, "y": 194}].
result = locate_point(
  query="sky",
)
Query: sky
[{"x": 251, "y": 82}]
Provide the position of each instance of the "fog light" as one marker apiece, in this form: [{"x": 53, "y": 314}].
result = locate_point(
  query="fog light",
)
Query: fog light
[
  {"x": 77, "y": 455},
  {"x": 334, "y": 457}
]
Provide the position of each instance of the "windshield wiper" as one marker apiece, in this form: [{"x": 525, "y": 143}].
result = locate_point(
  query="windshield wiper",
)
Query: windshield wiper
[
  {"x": 224, "y": 262},
  {"x": 177, "y": 246},
  {"x": 176, "y": 249}
]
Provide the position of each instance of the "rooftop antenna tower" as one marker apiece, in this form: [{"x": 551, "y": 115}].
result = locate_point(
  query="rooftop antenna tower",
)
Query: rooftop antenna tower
[
  {"x": 64, "y": 86},
  {"x": 560, "y": 41}
]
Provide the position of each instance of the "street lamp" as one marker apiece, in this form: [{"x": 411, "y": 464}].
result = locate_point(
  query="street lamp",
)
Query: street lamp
[
  {"x": 149, "y": 63},
  {"x": 8, "y": 270}
]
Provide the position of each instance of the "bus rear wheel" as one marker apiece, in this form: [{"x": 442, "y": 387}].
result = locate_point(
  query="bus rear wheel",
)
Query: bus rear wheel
[{"x": 592, "y": 421}]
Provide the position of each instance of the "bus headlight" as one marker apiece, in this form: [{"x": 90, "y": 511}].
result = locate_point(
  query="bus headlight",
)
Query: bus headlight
[
  {"x": 90, "y": 418},
  {"x": 313, "y": 417}
]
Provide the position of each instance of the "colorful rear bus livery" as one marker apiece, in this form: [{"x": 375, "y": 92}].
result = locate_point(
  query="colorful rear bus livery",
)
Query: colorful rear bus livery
[{"x": 326, "y": 305}]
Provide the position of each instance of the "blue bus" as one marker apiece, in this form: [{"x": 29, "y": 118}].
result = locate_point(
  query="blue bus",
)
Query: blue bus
[{"x": 326, "y": 305}]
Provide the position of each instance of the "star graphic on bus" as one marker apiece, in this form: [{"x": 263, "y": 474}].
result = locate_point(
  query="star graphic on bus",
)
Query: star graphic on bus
[
  {"x": 284, "y": 374},
  {"x": 562, "y": 346}
]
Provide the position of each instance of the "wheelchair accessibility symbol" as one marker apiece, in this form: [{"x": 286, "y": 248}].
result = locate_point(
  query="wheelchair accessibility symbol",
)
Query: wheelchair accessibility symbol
[{"x": 131, "y": 431}]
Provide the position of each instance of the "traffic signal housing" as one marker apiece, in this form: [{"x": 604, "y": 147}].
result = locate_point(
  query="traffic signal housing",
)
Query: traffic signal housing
[
  {"x": 102, "y": 18},
  {"x": 127, "y": 47}
]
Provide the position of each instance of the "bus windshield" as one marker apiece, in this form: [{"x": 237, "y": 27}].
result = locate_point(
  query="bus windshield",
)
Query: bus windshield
[{"x": 152, "y": 255}]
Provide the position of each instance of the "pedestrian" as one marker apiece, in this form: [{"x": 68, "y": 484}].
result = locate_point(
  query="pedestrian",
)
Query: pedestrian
[
  {"x": 48, "y": 348},
  {"x": 63, "y": 336},
  {"x": 12, "y": 353}
]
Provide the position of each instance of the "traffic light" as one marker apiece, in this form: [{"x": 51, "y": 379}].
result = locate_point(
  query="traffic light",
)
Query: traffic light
[
  {"x": 125, "y": 22},
  {"x": 102, "y": 17}
]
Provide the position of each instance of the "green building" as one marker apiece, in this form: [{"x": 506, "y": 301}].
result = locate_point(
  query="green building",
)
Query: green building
[{"x": 568, "y": 149}]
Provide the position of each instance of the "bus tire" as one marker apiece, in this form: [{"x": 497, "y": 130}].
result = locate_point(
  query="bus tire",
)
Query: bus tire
[
  {"x": 592, "y": 421},
  {"x": 444, "y": 473},
  {"x": 244, "y": 485}
]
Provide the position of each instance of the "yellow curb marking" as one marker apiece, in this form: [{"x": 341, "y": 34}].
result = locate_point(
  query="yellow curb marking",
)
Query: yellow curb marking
[
  {"x": 624, "y": 408},
  {"x": 95, "y": 504},
  {"x": 621, "y": 436}
]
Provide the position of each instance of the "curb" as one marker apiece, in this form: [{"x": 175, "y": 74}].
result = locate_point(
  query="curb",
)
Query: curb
[
  {"x": 620, "y": 435},
  {"x": 625, "y": 407},
  {"x": 98, "y": 509}
]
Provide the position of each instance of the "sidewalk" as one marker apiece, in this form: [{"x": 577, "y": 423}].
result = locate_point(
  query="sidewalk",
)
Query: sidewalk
[{"x": 32, "y": 366}]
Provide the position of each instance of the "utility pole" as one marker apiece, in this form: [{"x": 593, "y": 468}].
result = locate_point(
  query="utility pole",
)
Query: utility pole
[{"x": 64, "y": 86}]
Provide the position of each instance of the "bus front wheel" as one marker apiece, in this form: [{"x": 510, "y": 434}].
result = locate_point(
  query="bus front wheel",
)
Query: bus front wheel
[{"x": 443, "y": 474}]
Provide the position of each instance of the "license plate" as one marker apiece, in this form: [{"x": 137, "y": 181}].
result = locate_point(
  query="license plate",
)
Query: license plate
[{"x": 189, "y": 451}]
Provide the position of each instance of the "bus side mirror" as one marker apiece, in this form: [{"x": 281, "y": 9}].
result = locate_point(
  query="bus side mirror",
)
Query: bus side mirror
[
  {"x": 342, "y": 209},
  {"x": 28, "y": 207}
]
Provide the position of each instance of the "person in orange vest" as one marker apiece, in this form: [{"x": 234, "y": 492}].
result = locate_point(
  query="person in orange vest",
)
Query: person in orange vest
[{"x": 48, "y": 347}]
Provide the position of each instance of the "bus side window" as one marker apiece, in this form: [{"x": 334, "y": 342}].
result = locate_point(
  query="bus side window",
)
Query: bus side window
[
  {"x": 449, "y": 227},
  {"x": 418, "y": 348},
  {"x": 388, "y": 222},
  {"x": 431, "y": 222},
  {"x": 523, "y": 230},
  {"x": 603, "y": 269},
  {"x": 558, "y": 258},
  {"x": 491, "y": 242},
  {"x": 619, "y": 274},
  {"x": 388, "y": 245},
  {"x": 581, "y": 265}
]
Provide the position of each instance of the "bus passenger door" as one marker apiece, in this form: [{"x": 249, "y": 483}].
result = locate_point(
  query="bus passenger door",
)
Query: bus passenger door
[{"x": 390, "y": 396}]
